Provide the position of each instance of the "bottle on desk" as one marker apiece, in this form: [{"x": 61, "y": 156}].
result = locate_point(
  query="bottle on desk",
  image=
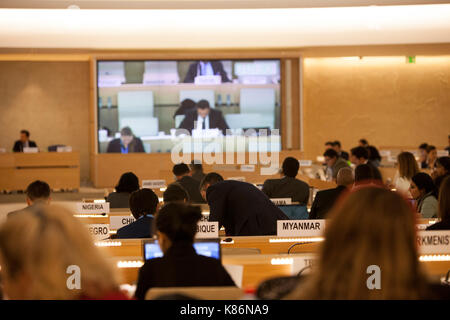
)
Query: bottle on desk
[
  {"x": 219, "y": 100},
  {"x": 109, "y": 103},
  {"x": 228, "y": 100}
]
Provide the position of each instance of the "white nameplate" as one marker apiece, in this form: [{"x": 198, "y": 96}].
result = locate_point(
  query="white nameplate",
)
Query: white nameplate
[
  {"x": 208, "y": 80},
  {"x": 248, "y": 168},
  {"x": 433, "y": 242},
  {"x": 281, "y": 201},
  {"x": 305, "y": 163},
  {"x": 385, "y": 153},
  {"x": 64, "y": 149},
  {"x": 99, "y": 231},
  {"x": 30, "y": 150},
  {"x": 117, "y": 222},
  {"x": 207, "y": 230},
  {"x": 442, "y": 153},
  {"x": 300, "y": 228},
  {"x": 301, "y": 262},
  {"x": 153, "y": 184},
  {"x": 92, "y": 208},
  {"x": 237, "y": 179}
]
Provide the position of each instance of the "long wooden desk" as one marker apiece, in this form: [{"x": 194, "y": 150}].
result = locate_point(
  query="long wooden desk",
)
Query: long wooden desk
[{"x": 61, "y": 170}]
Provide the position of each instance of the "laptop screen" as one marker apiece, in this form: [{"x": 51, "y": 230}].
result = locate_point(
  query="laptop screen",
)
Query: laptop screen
[{"x": 205, "y": 247}]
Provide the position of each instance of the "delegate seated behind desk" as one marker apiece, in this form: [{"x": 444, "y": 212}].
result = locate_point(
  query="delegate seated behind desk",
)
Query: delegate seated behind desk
[
  {"x": 24, "y": 142},
  {"x": 127, "y": 143}
]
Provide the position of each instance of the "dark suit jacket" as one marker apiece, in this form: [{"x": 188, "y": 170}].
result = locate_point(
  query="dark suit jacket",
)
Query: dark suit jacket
[
  {"x": 18, "y": 147},
  {"x": 324, "y": 201},
  {"x": 135, "y": 146},
  {"x": 181, "y": 266},
  {"x": 217, "y": 67},
  {"x": 141, "y": 228},
  {"x": 287, "y": 187},
  {"x": 376, "y": 172},
  {"x": 192, "y": 187},
  {"x": 216, "y": 120},
  {"x": 344, "y": 155},
  {"x": 242, "y": 209}
]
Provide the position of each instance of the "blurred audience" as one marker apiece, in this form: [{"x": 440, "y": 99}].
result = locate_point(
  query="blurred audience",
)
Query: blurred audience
[
  {"x": 423, "y": 155},
  {"x": 120, "y": 198},
  {"x": 363, "y": 234},
  {"x": 288, "y": 186},
  {"x": 431, "y": 157},
  {"x": 360, "y": 155},
  {"x": 325, "y": 199},
  {"x": 374, "y": 156},
  {"x": 197, "y": 170},
  {"x": 181, "y": 266},
  {"x": 441, "y": 171},
  {"x": 407, "y": 168},
  {"x": 337, "y": 147},
  {"x": 183, "y": 177},
  {"x": 240, "y": 207},
  {"x": 423, "y": 190},
  {"x": 175, "y": 192},
  {"x": 42, "y": 248},
  {"x": 443, "y": 207},
  {"x": 334, "y": 163},
  {"x": 143, "y": 206}
]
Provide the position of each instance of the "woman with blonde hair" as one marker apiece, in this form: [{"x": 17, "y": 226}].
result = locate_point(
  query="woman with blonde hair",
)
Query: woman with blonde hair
[
  {"x": 372, "y": 227},
  {"x": 407, "y": 168},
  {"x": 42, "y": 251}
]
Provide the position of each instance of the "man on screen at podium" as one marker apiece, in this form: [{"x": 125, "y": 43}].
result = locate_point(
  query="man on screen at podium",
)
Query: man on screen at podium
[
  {"x": 24, "y": 142},
  {"x": 127, "y": 143},
  {"x": 203, "y": 117},
  {"x": 206, "y": 68}
]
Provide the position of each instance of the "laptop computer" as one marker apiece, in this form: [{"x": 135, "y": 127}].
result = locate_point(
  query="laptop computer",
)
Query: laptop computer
[{"x": 206, "y": 247}]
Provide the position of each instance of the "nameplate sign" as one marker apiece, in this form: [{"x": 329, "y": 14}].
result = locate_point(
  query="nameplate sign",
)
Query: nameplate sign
[
  {"x": 303, "y": 263},
  {"x": 207, "y": 230},
  {"x": 117, "y": 222},
  {"x": 208, "y": 80},
  {"x": 30, "y": 150},
  {"x": 99, "y": 231},
  {"x": 92, "y": 208},
  {"x": 300, "y": 228},
  {"x": 442, "y": 153},
  {"x": 385, "y": 153},
  {"x": 248, "y": 168},
  {"x": 242, "y": 179},
  {"x": 64, "y": 149},
  {"x": 433, "y": 242},
  {"x": 305, "y": 163},
  {"x": 281, "y": 201},
  {"x": 153, "y": 184}
]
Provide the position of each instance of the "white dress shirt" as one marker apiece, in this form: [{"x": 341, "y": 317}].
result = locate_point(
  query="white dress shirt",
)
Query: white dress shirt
[{"x": 200, "y": 122}]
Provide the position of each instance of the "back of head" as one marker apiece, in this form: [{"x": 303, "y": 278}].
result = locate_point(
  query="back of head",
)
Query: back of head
[
  {"x": 290, "y": 167},
  {"x": 175, "y": 192},
  {"x": 373, "y": 153},
  {"x": 423, "y": 182},
  {"x": 423, "y": 146},
  {"x": 55, "y": 241},
  {"x": 128, "y": 182},
  {"x": 38, "y": 191},
  {"x": 444, "y": 162},
  {"x": 143, "y": 202},
  {"x": 360, "y": 152},
  {"x": 345, "y": 177},
  {"x": 363, "y": 142},
  {"x": 180, "y": 169},
  {"x": 329, "y": 144},
  {"x": 331, "y": 153},
  {"x": 178, "y": 221},
  {"x": 337, "y": 143},
  {"x": 203, "y": 104},
  {"x": 210, "y": 179},
  {"x": 363, "y": 172},
  {"x": 372, "y": 227},
  {"x": 407, "y": 165},
  {"x": 444, "y": 200}
]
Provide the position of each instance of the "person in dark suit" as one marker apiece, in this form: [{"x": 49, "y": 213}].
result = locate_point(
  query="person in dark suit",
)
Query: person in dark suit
[
  {"x": 38, "y": 193},
  {"x": 205, "y": 68},
  {"x": 288, "y": 186},
  {"x": 337, "y": 146},
  {"x": 143, "y": 207},
  {"x": 127, "y": 143},
  {"x": 24, "y": 142},
  {"x": 325, "y": 199},
  {"x": 183, "y": 175},
  {"x": 181, "y": 266},
  {"x": 360, "y": 155},
  {"x": 240, "y": 207},
  {"x": 203, "y": 117}
]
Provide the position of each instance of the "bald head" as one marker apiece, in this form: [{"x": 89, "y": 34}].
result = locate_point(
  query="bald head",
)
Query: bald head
[{"x": 345, "y": 177}]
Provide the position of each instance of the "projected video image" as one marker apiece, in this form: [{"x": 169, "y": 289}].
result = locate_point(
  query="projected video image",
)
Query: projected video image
[{"x": 153, "y": 106}]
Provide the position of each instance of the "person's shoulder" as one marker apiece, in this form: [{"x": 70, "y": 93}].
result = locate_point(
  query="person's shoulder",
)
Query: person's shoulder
[
  {"x": 215, "y": 112},
  {"x": 301, "y": 183}
]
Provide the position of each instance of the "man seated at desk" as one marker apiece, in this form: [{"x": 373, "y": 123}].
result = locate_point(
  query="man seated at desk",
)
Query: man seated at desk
[
  {"x": 127, "y": 143},
  {"x": 206, "y": 68},
  {"x": 203, "y": 117},
  {"x": 24, "y": 142}
]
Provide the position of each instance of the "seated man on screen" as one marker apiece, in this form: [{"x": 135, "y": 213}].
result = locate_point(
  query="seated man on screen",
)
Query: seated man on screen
[
  {"x": 203, "y": 117},
  {"x": 24, "y": 142},
  {"x": 206, "y": 68},
  {"x": 127, "y": 143}
]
